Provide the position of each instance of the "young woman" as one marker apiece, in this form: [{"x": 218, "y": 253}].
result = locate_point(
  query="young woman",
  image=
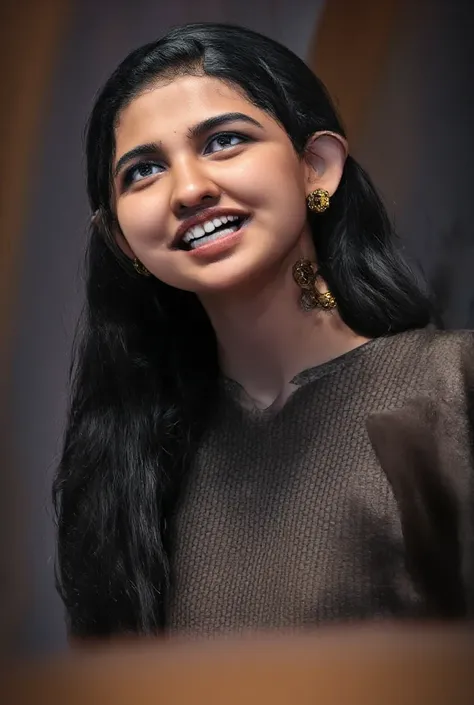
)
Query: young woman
[{"x": 265, "y": 430}]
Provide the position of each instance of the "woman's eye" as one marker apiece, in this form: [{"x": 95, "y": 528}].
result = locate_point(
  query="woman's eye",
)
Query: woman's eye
[
  {"x": 223, "y": 141},
  {"x": 141, "y": 171}
]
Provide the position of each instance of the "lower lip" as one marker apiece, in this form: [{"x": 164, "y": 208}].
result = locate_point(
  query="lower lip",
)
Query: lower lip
[{"x": 219, "y": 246}]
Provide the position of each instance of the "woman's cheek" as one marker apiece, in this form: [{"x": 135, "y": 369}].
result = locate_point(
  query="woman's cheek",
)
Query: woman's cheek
[
  {"x": 141, "y": 220},
  {"x": 268, "y": 182}
]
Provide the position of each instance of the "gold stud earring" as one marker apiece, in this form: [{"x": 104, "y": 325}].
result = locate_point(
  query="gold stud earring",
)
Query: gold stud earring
[
  {"x": 140, "y": 268},
  {"x": 305, "y": 275},
  {"x": 318, "y": 200}
]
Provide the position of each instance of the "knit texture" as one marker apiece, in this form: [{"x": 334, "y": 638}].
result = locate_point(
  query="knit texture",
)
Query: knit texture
[{"x": 288, "y": 518}]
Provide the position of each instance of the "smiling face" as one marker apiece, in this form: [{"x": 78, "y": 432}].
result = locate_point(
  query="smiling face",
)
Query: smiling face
[{"x": 209, "y": 192}]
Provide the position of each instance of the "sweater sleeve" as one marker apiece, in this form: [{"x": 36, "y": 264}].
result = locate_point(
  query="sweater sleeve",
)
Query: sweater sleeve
[
  {"x": 467, "y": 522},
  {"x": 426, "y": 449}
]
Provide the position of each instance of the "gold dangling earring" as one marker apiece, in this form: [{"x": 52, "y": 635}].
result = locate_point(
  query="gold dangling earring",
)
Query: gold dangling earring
[
  {"x": 318, "y": 201},
  {"x": 305, "y": 276},
  {"x": 140, "y": 268}
]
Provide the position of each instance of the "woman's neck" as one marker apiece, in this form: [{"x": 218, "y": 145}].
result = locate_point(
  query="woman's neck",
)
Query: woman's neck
[{"x": 265, "y": 339}]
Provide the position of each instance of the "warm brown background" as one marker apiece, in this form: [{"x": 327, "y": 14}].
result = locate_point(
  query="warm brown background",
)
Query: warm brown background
[
  {"x": 346, "y": 666},
  {"x": 401, "y": 74}
]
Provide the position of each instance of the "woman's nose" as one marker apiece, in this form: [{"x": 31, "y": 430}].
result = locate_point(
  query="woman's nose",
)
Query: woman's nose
[{"x": 191, "y": 187}]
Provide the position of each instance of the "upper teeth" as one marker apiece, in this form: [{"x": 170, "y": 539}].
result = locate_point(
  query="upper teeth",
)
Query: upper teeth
[{"x": 208, "y": 227}]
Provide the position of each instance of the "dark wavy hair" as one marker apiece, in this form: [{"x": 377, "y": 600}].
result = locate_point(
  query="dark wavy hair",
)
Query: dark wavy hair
[{"x": 145, "y": 368}]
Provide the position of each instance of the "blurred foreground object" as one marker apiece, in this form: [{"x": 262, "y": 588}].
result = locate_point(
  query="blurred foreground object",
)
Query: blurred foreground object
[{"x": 382, "y": 665}]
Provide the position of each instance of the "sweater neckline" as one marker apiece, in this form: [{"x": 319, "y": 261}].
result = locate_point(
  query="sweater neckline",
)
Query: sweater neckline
[
  {"x": 300, "y": 380},
  {"x": 317, "y": 371}
]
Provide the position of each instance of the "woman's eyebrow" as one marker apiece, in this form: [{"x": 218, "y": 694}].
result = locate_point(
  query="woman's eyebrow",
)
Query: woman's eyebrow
[{"x": 218, "y": 120}]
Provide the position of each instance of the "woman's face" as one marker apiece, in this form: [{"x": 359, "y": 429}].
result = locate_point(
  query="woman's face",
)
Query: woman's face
[{"x": 208, "y": 189}]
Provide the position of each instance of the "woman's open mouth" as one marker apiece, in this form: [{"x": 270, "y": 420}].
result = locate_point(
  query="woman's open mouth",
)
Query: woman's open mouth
[{"x": 212, "y": 230}]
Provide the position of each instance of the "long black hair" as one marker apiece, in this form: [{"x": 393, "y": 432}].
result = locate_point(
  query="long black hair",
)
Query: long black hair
[{"x": 145, "y": 368}]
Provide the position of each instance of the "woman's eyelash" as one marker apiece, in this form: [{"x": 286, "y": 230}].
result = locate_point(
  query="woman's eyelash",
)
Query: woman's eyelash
[
  {"x": 128, "y": 176},
  {"x": 226, "y": 136}
]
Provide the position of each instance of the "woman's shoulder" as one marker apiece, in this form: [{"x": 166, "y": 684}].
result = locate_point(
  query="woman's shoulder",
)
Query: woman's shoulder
[
  {"x": 435, "y": 407},
  {"x": 449, "y": 360},
  {"x": 444, "y": 359},
  {"x": 438, "y": 343},
  {"x": 450, "y": 343}
]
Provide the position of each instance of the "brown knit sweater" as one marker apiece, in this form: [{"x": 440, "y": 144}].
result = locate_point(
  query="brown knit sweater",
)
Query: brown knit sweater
[{"x": 353, "y": 501}]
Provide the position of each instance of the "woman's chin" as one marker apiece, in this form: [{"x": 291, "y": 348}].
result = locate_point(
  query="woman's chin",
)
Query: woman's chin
[{"x": 233, "y": 274}]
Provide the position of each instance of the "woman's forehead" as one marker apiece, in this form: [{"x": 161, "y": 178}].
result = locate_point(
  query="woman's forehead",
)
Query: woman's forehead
[{"x": 182, "y": 102}]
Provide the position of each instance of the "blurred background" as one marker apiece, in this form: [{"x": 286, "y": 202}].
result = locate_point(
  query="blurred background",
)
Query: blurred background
[{"x": 401, "y": 74}]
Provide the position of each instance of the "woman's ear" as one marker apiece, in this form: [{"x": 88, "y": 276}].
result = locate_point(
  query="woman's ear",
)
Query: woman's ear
[{"x": 325, "y": 155}]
